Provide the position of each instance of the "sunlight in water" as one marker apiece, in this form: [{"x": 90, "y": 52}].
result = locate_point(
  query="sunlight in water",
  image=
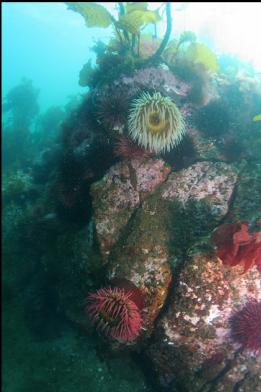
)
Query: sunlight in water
[{"x": 233, "y": 28}]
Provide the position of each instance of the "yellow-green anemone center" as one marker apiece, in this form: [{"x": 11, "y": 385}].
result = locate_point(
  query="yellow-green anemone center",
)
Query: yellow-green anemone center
[{"x": 156, "y": 124}]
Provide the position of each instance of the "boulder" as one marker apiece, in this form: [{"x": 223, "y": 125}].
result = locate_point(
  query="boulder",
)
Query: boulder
[
  {"x": 192, "y": 348},
  {"x": 120, "y": 193}
]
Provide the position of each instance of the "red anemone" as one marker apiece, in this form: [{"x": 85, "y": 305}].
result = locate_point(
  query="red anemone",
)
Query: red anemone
[{"x": 237, "y": 245}]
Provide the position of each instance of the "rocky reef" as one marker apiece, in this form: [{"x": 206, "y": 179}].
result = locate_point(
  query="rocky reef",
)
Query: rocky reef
[
  {"x": 120, "y": 193},
  {"x": 192, "y": 348},
  {"x": 131, "y": 214}
]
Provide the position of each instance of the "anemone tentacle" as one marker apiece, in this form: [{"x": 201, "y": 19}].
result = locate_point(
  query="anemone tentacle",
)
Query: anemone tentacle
[
  {"x": 155, "y": 122},
  {"x": 114, "y": 313}
]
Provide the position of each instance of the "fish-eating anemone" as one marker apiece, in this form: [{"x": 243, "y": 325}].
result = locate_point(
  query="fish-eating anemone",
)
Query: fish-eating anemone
[{"x": 155, "y": 122}]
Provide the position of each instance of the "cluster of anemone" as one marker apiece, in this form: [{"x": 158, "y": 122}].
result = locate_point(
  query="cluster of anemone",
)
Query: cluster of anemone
[{"x": 155, "y": 122}]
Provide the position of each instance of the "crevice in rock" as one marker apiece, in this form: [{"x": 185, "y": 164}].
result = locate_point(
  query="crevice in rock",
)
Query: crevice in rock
[
  {"x": 211, "y": 384},
  {"x": 240, "y": 382}
]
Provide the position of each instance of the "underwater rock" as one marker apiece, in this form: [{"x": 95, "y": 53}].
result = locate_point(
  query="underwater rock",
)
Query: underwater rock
[
  {"x": 246, "y": 205},
  {"x": 206, "y": 148},
  {"x": 214, "y": 119},
  {"x": 44, "y": 165},
  {"x": 142, "y": 256},
  {"x": 193, "y": 345},
  {"x": 147, "y": 246},
  {"x": 160, "y": 79},
  {"x": 19, "y": 188},
  {"x": 74, "y": 265},
  {"x": 20, "y": 264},
  {"x": 125, "y": 148},
  {"x": 213, "y": 182},
  {"x": 119, "y": 193}
]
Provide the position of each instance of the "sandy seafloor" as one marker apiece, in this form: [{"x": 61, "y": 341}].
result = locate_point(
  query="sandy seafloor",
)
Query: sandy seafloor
[{"x": 66, "y": 363}]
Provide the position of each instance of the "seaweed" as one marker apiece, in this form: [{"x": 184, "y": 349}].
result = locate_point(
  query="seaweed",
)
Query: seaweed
[
  {"x": 122, "y": 54},
  {"x": 190, "y": 225},
  {"x": 21, "y": 104},
  {"x": 202, "y": 54}
]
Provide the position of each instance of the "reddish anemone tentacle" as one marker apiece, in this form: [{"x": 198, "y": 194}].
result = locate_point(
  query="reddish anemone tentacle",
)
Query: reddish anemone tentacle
[{"x": 114, "y": 312}]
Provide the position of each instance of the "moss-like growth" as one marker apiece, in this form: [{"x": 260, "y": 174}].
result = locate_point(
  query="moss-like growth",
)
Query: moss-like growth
[
  {"x": 189, "y": 228},
  {"x": 213, "y": 119},
  {"x": 16, "y": 187},
  {"x": 182, "y": 155},
  {"x": 246, "y": 205}
]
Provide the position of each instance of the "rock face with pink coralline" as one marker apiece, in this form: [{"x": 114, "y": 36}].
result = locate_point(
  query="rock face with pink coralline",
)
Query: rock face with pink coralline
[
  {"x": 120, "y": 193},
  {"x": 213, "y": 182},
  {"x": 193, "y": 345},
  {"x": 142, "y": 256},
  {"x": 148, "y": 220},
  {"x": 158, "y": 78}
]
